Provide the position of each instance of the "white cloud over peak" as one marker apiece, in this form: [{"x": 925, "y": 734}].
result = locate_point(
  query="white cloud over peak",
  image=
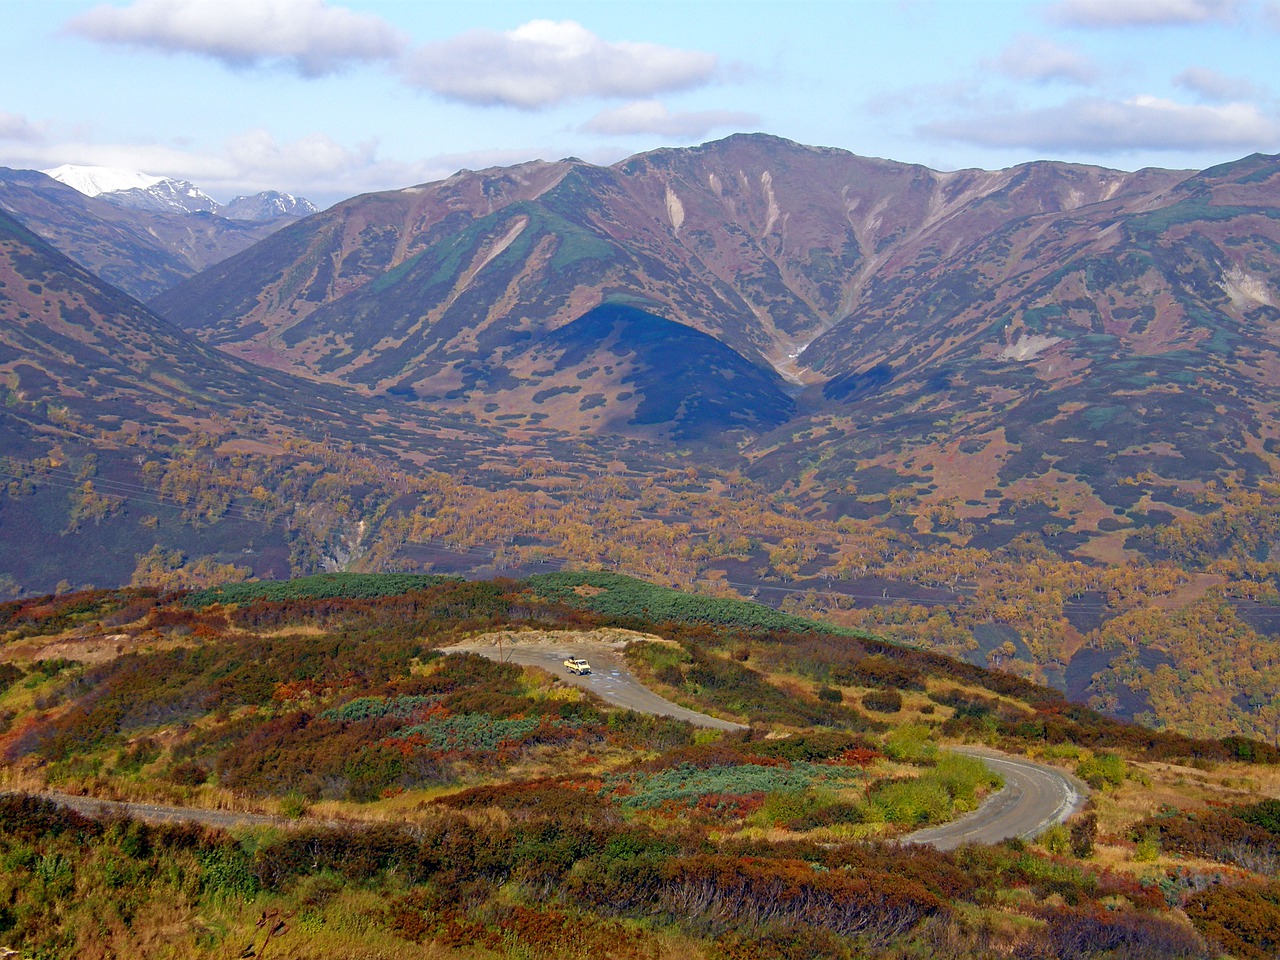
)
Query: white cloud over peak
[
  {"x": 1122, "y": 13},
  {"x": 650, "y": 116},
  {"x": 545, "y": 62},
  {"x": 1041, "y": 60},
  {"x": 1108, "y": 126},
  {"x": 311, "y": 37},
  {"x": 16, "y": 127}
]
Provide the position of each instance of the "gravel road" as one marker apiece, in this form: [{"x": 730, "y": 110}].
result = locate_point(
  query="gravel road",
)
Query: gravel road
[{"x": 1034, "y": 798}]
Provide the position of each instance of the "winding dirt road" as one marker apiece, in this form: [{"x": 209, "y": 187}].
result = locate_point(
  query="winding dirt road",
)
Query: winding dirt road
[{"x": 1034, "y": 798}]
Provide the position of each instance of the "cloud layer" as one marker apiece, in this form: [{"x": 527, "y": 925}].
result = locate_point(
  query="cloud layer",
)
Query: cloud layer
[
  {"x": 1121, "y": 13},
  {"x": 309, "y": 36},
  {"x": 18, "y": 128},
  {"x": 1040, "y": 60},
  {"x": 1107, "y": 126},
  {"x": 545, "y": 62}
]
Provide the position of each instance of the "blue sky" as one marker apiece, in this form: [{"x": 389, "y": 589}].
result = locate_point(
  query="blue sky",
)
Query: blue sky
[{"x": 329, "y": 98}]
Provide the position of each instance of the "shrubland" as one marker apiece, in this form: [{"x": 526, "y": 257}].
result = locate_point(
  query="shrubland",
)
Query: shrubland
[{"x": 457, "y": 805}]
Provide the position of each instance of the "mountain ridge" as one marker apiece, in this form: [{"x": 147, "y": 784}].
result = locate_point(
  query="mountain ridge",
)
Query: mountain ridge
[
  {"x": 144, "y": 191},
  {"x": 140, "y": 250}
]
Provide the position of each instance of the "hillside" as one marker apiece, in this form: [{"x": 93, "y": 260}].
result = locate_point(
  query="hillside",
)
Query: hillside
[
  {"x": 759, "y": 242},
  {"x": 113, "y": 420},
  {"x": 469, "y": 807}
]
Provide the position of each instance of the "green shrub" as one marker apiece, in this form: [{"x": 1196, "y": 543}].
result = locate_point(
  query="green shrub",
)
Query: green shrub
[
  {"x": 1056, "y": 840},
  {"x": 322, "y": 586},
  {"x": 687, "y": 783},
  {"x": 962, "y": 777},
  {"x": 912, "y": 743},
  {"x": 1102, "y": 771},
  {"x": 1147, "y": 850},
  {"x": 913, "y": 802},
  {"x": 1264, "y": 814}
]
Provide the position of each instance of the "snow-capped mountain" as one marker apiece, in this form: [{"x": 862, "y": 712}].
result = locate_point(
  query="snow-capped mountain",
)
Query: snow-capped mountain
[
  {"x": 93, "y": 181},
  {"x": 136, "y": 190},
  {"x": 143, "y": 191},
  {"x": 268, "y": 205}
]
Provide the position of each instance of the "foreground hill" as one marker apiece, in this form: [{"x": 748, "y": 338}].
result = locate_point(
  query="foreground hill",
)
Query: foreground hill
[{"x": 465, "y": 807}]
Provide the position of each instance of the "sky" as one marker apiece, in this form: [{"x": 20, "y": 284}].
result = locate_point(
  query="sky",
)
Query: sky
[{"x": 331, "y": 98}]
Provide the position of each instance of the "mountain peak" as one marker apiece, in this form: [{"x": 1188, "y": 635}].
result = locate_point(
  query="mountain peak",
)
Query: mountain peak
[
  {"x": 268, "y": 205},
  {"x": 136, "y": 190},
  {"x": 94, "y": 181}
]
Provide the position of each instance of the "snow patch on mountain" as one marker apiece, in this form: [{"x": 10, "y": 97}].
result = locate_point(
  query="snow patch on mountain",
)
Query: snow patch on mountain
[
  {"x": 268, "y": 205},
  {"x": 1028, "y": 347},
  {"x": 93, "y": 181},
  {"x": 143, "y": 191}
]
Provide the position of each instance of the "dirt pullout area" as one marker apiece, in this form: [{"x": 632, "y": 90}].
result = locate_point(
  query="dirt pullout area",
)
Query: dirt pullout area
[
  {"x": 610, "y": 678},
  {"x": 165, "y": 813}
]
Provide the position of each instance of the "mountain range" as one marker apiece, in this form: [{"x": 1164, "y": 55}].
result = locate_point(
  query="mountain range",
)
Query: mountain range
[
  {"x": 966, "y": 335},
  {"x": 1085, "y": 345},
  {"x": 141, "y": 191},
  {"x": 141, "y": 234}
]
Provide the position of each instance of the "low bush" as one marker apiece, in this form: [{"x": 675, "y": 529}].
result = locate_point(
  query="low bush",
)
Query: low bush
[
  {"x": 1243, "y": 921},
  {"x": 883, "y": 701}
]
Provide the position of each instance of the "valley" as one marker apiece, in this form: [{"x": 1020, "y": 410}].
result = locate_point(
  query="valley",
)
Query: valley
[{"x": 1031, "y": 423}]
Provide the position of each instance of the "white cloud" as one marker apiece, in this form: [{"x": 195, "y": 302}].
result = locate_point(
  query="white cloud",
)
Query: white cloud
[
  {"x": 1144, "y": 122},
  {"x": 1122, "y": 13},
  {"x": 1215, "y": 86},
  {"x": 16, "y": 127},
  {"x": 650, "y": 116},
  {"x": 309, "y": 36},
  {"x": 544, "y": 62},
  {"x": 1040, "y": 60}
]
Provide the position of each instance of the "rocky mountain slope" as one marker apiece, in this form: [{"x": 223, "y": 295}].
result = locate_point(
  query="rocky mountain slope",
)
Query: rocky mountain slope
[
  {"x": 1053, "y": 334},
  {"x": 759, "y": 242}
]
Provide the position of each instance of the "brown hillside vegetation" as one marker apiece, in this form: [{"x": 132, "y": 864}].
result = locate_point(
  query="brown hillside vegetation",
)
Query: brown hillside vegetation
[{"x": 492, "y": 810}]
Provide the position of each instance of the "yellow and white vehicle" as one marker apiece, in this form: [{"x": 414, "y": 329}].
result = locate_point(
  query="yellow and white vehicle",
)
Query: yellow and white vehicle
[{"x": 577, "y": 665}]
